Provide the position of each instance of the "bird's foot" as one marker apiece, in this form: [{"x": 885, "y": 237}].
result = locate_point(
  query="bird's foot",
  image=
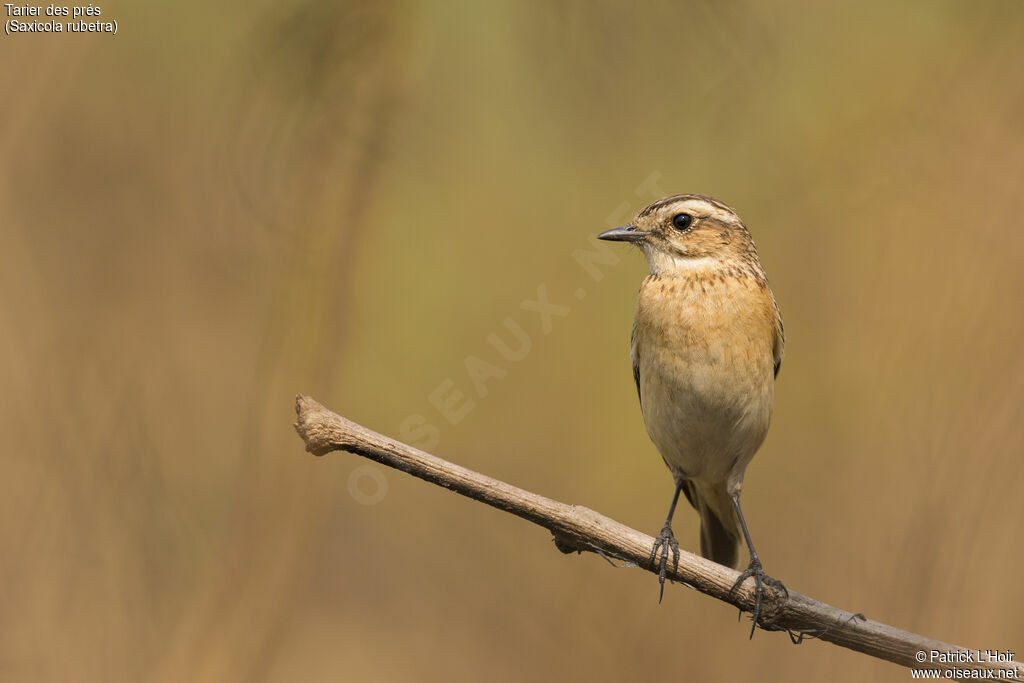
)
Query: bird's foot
[
  {"x": 663, "y": 544},
  {"x": 761, "y": 580}
]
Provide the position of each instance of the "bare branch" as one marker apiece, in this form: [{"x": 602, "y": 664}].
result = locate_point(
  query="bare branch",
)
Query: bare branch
[{"x": 578, "y": 529}]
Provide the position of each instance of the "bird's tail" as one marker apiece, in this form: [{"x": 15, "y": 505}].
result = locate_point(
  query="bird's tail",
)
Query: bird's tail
[{"x": 720, "y": 535}]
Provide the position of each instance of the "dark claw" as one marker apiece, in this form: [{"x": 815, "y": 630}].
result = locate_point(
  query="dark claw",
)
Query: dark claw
[
  {"x": 798, "y": 636},
  {"x": 760, "y": 581},
  {"x": 665, "y": 541}
]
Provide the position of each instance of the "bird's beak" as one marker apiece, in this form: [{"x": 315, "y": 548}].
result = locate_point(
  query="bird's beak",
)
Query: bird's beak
[{"x": 625, "y": 233}]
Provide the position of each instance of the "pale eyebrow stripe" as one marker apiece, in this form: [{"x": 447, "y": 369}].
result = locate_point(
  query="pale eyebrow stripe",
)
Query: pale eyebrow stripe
[{"x": 647, "y": 211}]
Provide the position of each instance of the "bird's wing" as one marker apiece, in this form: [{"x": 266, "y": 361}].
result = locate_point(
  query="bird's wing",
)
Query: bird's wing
[
  {"x": 635, "y": 357},
  {"x": 779, "y": 347}
]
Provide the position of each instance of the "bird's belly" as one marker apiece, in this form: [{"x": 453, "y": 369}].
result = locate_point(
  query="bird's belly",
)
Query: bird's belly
[{"x": 707, "y": 405}]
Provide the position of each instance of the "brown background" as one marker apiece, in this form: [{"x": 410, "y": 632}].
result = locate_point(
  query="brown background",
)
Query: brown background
[{"x": 229, "y": 203}]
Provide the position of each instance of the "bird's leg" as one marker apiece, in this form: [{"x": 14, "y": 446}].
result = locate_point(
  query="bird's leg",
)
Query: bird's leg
[
  {"x": 665, "y": 542},
  {"x": 754, "y": 569}
]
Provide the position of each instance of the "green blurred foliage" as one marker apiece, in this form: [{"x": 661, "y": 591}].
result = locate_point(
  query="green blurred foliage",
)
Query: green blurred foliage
[{"x": 225, "y": 205}]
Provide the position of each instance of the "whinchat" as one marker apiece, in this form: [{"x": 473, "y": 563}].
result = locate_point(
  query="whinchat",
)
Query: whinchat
[{"x": 706, "y": 348}]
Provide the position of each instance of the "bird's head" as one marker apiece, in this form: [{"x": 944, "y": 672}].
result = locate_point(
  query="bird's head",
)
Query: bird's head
[{"x": 686, "y": 232}]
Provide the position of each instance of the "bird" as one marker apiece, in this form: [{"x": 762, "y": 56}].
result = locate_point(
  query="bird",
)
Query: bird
[{"x": 707, "y": 345}]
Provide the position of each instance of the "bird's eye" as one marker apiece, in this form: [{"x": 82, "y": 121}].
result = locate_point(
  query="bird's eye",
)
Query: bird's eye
[{"x": 682, "y": 221}]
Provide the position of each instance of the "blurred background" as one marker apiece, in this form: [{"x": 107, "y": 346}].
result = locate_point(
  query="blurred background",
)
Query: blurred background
[{"x": 226, "y": 204}]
